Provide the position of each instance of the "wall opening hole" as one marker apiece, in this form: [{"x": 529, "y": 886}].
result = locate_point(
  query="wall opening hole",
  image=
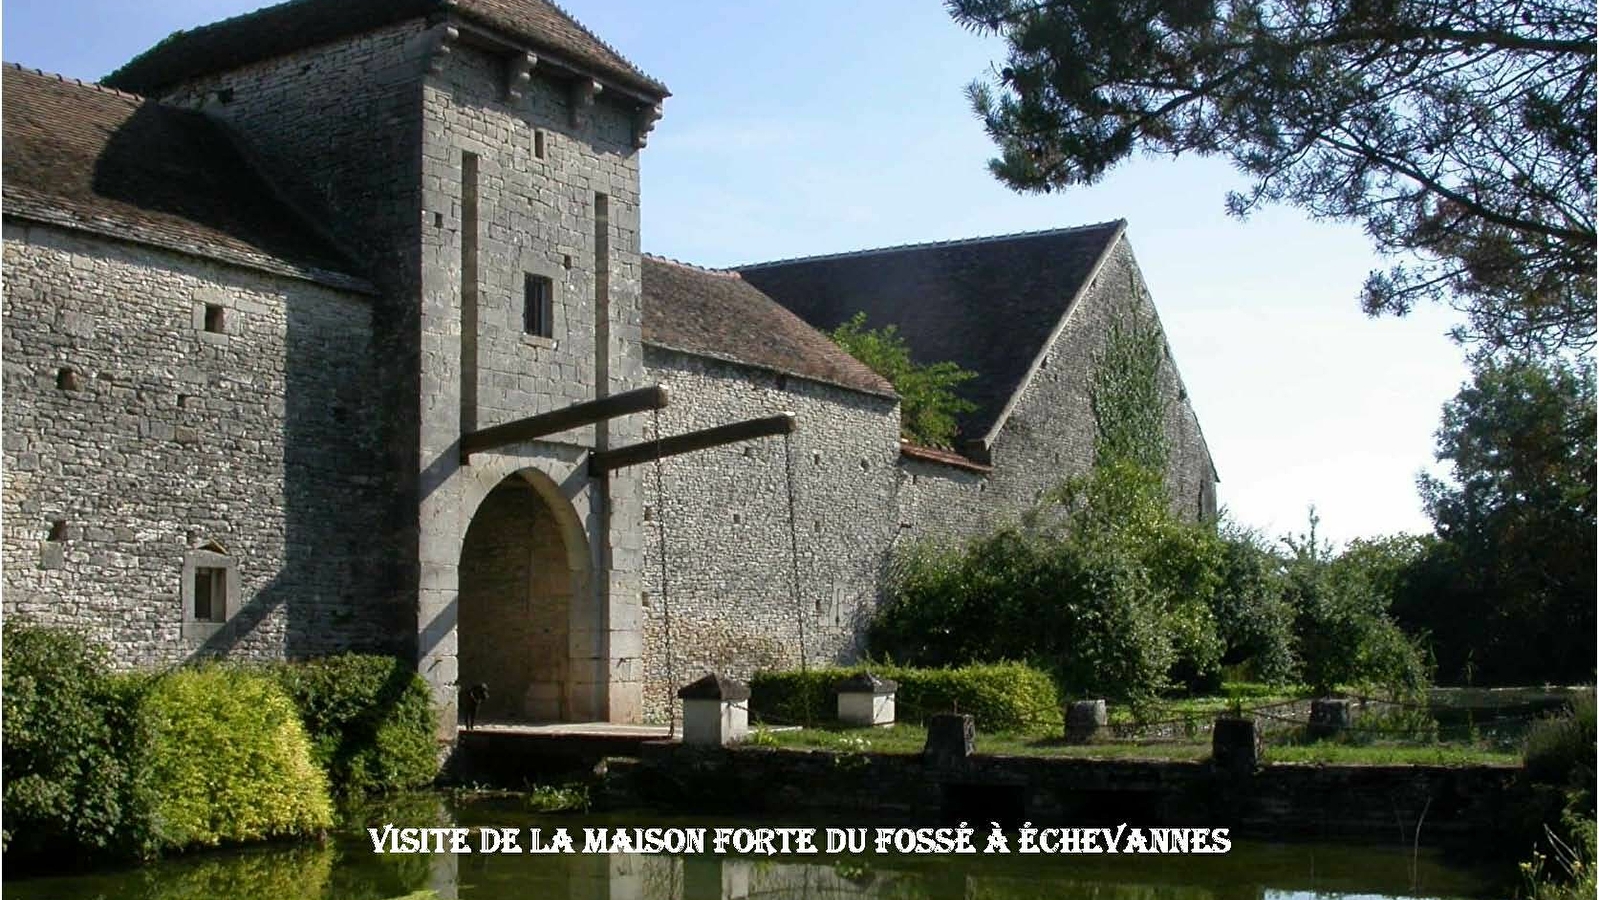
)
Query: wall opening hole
[
  {"x": 538, "y": 144},
  {"x": 67, "y": 379},
  {"x": 737, "y": 519},
  {"x": 58, "y": 530},
  {"x": 210, "y": 594},
  {"x": 215, "y": 318},
  {"x": 566, "y": 261},
  {"x": 438, "y": 220}
]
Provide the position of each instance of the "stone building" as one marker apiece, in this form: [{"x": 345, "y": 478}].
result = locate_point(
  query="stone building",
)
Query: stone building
[{"x": 272, "y": 288}]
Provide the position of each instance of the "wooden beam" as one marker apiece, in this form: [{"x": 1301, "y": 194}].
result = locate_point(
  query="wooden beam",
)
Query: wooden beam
[
  {"x": 602, "y": 461},
  {"x": 563, "y": 419}
]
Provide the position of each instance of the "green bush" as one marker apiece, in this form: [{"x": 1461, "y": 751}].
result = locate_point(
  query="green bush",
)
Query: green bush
[
  {"x": 1559, "y": 749},
  {"x": 370, "y": 719},
  {"x": 1558, "y": 764},
  {"x": 229, "y": 760},
  {"x": 1001, "y": 697},
  {"x": 72, "y": 778}
]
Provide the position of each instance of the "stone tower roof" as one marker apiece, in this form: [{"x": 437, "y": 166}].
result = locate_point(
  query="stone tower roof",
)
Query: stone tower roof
[
  {"x": 95, "y": 159},
  {"x": 719, "y": 315},
  {"x": 986, "y": 304},
  {"x": 287, "y": 27}
]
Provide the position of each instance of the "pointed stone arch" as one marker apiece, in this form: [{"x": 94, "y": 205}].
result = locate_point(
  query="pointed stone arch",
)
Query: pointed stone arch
[{"x": 525, "y": 596}]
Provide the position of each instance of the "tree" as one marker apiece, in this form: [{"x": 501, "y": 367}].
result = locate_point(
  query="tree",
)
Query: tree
[
  {"x": 1510, "y": 586},
  {"x": 928, "y": 402},
  {"x": 1460, "y": 133}
]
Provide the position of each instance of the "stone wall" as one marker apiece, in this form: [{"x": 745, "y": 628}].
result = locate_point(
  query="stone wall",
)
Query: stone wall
[
  {"x": 725, "y": 512},
  {"x": 1050, "y": 433},
  {"x": 570, "y": 216},
  {"x": 337, "y": 129},
  {"x": 370, "y": 134},
  {"x": 134, "y": 438},
  {"x": 1455, "y": 805}
]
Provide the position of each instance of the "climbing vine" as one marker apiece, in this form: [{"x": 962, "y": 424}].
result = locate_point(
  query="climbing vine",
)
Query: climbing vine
[{"x": 1126, "y": 395}]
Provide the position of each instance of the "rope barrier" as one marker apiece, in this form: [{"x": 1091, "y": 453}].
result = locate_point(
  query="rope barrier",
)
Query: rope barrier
[
  {"x": 666, "y": 603},
  {"x": 793, "y": 542}
]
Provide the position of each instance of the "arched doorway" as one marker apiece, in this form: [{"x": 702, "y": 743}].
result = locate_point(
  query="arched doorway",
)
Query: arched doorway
[{"x": 523, "y": 576}]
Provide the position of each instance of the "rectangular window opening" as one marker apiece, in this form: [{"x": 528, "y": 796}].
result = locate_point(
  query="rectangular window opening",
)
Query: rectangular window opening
[
  {"x": 538, "y": 144},
  {"x": 210, "y": 594},
  {"x": 538, "y": 315},
  {"x": 214, "y": 321}
]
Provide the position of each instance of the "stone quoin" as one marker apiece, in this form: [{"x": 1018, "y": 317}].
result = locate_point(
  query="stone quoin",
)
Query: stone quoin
[{"x": 271, "y": 284}]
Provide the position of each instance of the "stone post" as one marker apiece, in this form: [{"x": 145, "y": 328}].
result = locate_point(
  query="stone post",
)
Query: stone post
[
  {"x": 1084, "y": 720},
  {"x": 865, "y": 699},
  {"x": 1328, "y": 717},
  {"x": 715, "y": 711},
  {"x": 1235, "y": 745},
  {"x": 951, "y": 737}
]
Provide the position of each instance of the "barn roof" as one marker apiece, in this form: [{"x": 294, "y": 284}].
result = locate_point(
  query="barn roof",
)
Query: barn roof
[
  {"x": 718, "y": 314},
  {"x": 986, "y": 304},
  {"x": 90, "y": 158},
  {"x": 289, "y": 27}
]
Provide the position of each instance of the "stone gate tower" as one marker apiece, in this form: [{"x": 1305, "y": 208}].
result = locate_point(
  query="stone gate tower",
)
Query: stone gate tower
[{"x": 482, "y": 158}]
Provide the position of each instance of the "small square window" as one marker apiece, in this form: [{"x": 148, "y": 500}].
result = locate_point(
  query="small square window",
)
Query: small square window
[
  {"x": 209, "y": 591},
  {"x": 214, "y": 321},
  {"x": 210, "y": 594},
  {"x": 538, "y": 312}
]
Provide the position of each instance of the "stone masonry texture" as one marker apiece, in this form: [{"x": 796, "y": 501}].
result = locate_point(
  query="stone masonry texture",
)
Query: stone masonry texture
[{"x": 313, "y": 444}]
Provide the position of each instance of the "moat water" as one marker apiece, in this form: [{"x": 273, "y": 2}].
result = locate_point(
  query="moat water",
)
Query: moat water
[{"x": 345, "y": 868}]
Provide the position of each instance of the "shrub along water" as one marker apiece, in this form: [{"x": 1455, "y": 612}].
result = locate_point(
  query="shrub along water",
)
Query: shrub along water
[
  {"x": 126, "y": 766},
  {"x": 370, "y": 719},
  {"x": 1001, "y": 697},
  {"x": 73, "y": 784},
  {"x": 229, "y": 760}
]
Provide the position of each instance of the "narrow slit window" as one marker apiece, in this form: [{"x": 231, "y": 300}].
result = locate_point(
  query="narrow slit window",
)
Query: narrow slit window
[
  {"x": 538, "y": 314},
  {"x": 210, "y": 594},
  {"x": 538, "y": 144}
]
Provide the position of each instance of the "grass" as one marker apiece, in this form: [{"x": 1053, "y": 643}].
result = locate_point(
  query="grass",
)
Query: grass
[{"x": 909, "y": 739}]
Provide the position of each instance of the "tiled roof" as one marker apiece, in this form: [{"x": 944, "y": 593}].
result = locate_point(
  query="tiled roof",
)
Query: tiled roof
[
  {"x": 91, "y": 158},
  {"x": 986, "y": 304},
  {"x": 943, "y": 457},
  {"x": 718, "y": 314},
  {"x": 288, "y": 27}
]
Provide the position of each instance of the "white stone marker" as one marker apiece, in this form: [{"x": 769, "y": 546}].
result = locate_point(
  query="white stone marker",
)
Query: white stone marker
[
  {"x": 715, "y": 711},
  {"x": 865, "y": 699}
]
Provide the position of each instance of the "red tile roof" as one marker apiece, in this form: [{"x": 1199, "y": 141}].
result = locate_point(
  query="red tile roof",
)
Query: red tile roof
[{"x": 718, "y": 314}]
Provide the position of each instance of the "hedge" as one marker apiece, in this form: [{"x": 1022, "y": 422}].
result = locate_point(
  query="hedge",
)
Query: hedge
[
  {"x": 370, "y": 719},
  {"x": 125, "y": 766},
  {"x": 229, "y": 760},
  {"x": 72, "y": 776},
  {"x": 1001, "y": 697}
]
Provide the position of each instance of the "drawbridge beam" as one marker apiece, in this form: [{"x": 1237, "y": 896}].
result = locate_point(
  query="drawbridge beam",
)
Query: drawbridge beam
[
  {"x": 603, "y": 461},
  {"x": 576, "y": 416}
]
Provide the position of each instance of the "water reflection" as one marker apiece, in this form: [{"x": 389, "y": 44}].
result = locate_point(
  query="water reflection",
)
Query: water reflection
[{"x": 347, "y": 869}]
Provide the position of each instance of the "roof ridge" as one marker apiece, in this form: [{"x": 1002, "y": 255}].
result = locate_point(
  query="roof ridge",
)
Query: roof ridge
[
  {"x": 932, "y": 245},
  {"x": 601, "y": 41},
  {"x": 92, "y": 85},
  {"x": 720, "y": 273}
]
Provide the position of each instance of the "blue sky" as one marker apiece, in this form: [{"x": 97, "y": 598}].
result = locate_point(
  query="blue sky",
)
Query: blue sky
[{"x": 831, "y": 125}]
